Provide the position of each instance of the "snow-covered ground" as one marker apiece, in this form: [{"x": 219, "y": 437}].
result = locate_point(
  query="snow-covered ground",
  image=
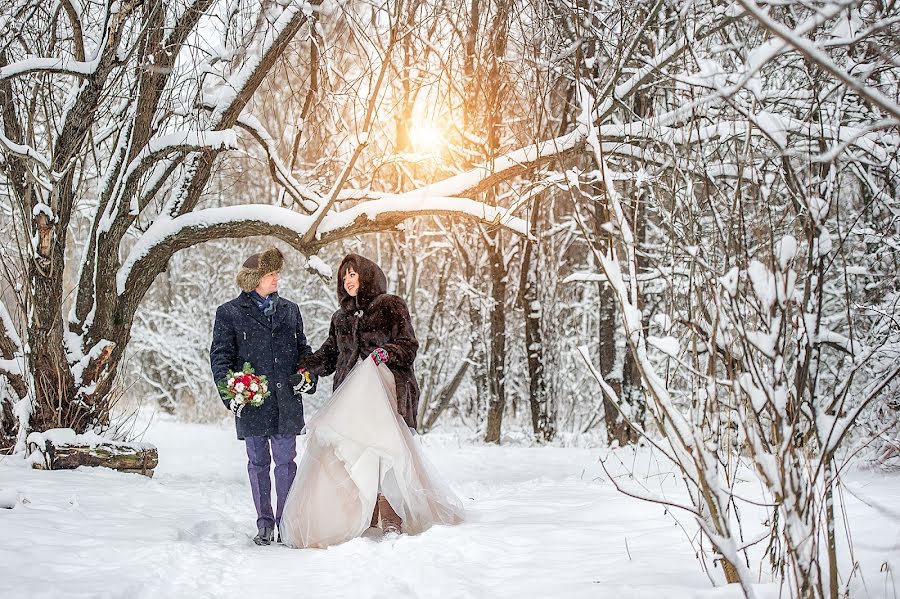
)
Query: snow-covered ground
[{"x": 541, "y": 522}]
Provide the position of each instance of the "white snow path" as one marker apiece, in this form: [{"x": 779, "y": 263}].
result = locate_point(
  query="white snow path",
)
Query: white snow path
[{"x": 541, "y": 522}]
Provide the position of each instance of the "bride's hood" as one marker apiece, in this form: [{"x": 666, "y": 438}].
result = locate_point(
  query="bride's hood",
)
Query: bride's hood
[{"x": 372, "y": 283}]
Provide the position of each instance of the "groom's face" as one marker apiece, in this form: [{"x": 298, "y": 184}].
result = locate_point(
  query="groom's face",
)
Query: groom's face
[
  {"x": 268, "y": 284},
  {"x": 351, "y": 282}
]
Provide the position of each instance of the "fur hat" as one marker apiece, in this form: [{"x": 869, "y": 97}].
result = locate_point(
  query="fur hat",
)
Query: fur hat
[{"x": 257, "y": 266}]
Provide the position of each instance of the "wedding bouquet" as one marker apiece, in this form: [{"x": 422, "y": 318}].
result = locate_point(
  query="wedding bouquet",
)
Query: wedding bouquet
[{"x": 244, "y": 387}]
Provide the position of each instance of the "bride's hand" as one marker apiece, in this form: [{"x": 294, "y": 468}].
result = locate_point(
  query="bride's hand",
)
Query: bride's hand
[{"x": 379, "y": 355}]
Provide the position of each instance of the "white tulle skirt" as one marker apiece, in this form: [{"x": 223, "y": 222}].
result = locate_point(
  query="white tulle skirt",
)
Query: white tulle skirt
[{"x": 355, "y": 447}]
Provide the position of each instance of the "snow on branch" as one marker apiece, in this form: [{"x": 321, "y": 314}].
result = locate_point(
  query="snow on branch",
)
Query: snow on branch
[
  {"x": 652, "y": 66},
  {"x": 230, "y": 97},
  {"x": 376, "y": 211},
  {"x": 485, "y": 176},
  {"x": 303, "y": 195},
  {"x": 170, "y": 235},
  {"x": 24, "y": 151},
  {"x": 11, "y": 354},
  {"x": 7, "y": 330},
  {"x": 762, "y": 55},
  {"x": 390, "y": 210},
  {"x": 62, "y": 66},
  {"x": 180, "y": 141},
  {"x": 167, "y": 236},
  {"x": 816, "y": 55},
  {"x": 267, "y": 42},
  {"x": 507, "y": 166}
]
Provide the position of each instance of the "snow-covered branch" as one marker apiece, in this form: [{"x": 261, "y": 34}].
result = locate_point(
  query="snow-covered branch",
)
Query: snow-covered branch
[
  {"x": 57, "y": 66},
  {"x": 267, "y": 42},
  {"x": 181, "y": 142},
  {"x": 653, "y": 65},
  {"x": 11, "y": 354},
  {"x": 165, "y": 237},
  {"x": 305, "y": 197},
  {"x": 231, "y": 95},
  {"x": 815, "y": 54},
  {"x": 506, "y": 167},
  {"x": 25, "y": 151}
]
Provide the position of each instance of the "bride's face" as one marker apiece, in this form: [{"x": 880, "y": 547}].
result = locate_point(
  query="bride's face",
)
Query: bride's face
[{"x": 351, "y": 282}]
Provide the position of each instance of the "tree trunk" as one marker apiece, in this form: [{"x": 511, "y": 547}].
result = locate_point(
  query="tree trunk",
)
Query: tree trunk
[
  {"x": 497, "y": 360},
  {"x": 616, "y": 426},
  {"x": 446, "y": 393},
  {"x": 830, "y": 527},
  {"x": 478, "y": 355},
  {"x": 542, "y": 417},
  {"x": 611, "y": 363},
  {"x": 499, "y": 278},
  {"x": 632, "y": 393},
  {"x": 46, "y": 356}
]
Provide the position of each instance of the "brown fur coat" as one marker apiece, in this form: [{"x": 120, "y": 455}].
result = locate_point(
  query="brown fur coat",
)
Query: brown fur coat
[{"x": 374, "y": 318}]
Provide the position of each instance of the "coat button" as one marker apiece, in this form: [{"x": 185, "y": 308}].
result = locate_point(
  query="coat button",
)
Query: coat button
[{"x": 278, "y": 385}]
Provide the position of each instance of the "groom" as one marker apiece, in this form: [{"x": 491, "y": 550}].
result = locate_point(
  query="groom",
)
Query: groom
[{"x": 266, "y": 330}]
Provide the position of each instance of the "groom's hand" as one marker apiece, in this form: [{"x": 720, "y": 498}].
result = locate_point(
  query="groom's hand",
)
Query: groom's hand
[
  {"x": 235, "y": 408},
  {"x": 304, "y": 382}
]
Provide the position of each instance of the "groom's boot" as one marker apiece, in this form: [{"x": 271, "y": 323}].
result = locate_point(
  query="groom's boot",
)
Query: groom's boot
[
  {"x": 265, "y": 536},
  {"x": 390, "y": 520}
]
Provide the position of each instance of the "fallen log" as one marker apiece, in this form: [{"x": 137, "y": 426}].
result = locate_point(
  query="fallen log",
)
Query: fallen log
[{"x": 61, "y": 449}]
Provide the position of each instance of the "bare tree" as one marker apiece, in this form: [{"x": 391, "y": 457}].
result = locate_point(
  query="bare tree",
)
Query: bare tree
[{"x": 763, "y": 337}]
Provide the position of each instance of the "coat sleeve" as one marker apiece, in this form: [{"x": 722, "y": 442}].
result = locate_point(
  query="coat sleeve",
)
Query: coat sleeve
[
  {"x": 303, "y": 348},
  {"x": 403, "y": 346},
  {"x": 223, "y": 351},
  {"x": 323, "y": 361}
]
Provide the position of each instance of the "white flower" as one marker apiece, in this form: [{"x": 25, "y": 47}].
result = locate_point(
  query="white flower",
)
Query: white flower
[
  {"x": 231, "y": 381},
  {"x": 239, "y": 387},
  {"x": 239, "y": 397},
  {"x": 254, "y": 387}
]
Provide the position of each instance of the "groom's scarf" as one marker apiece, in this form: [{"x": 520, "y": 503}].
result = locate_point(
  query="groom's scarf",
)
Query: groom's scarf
[{"x": 266, "y": 305}]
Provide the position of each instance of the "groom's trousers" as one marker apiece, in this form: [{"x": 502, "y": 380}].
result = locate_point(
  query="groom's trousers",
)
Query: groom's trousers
[{"x": 284, "y": 451}]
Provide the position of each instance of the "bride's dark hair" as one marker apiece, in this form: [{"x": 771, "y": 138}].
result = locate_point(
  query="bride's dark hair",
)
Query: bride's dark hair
[{"x": 346, "y": 265}]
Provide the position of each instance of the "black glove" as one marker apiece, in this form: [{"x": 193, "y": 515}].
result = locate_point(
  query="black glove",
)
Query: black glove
[{"x": 304, "y": 382}]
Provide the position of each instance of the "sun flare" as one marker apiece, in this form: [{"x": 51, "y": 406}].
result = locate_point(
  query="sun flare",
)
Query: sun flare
[{"x": 426, "y": 138}]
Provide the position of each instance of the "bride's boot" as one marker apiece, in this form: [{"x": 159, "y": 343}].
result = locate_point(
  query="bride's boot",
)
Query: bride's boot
[{"x": 390, "y": 520}]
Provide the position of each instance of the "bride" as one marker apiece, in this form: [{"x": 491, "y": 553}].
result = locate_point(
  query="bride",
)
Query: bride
[{"x": 360, "y": 449}]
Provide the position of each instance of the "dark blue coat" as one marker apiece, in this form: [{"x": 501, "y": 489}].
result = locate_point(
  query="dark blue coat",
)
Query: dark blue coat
[{"x": 242, "y": 333}]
